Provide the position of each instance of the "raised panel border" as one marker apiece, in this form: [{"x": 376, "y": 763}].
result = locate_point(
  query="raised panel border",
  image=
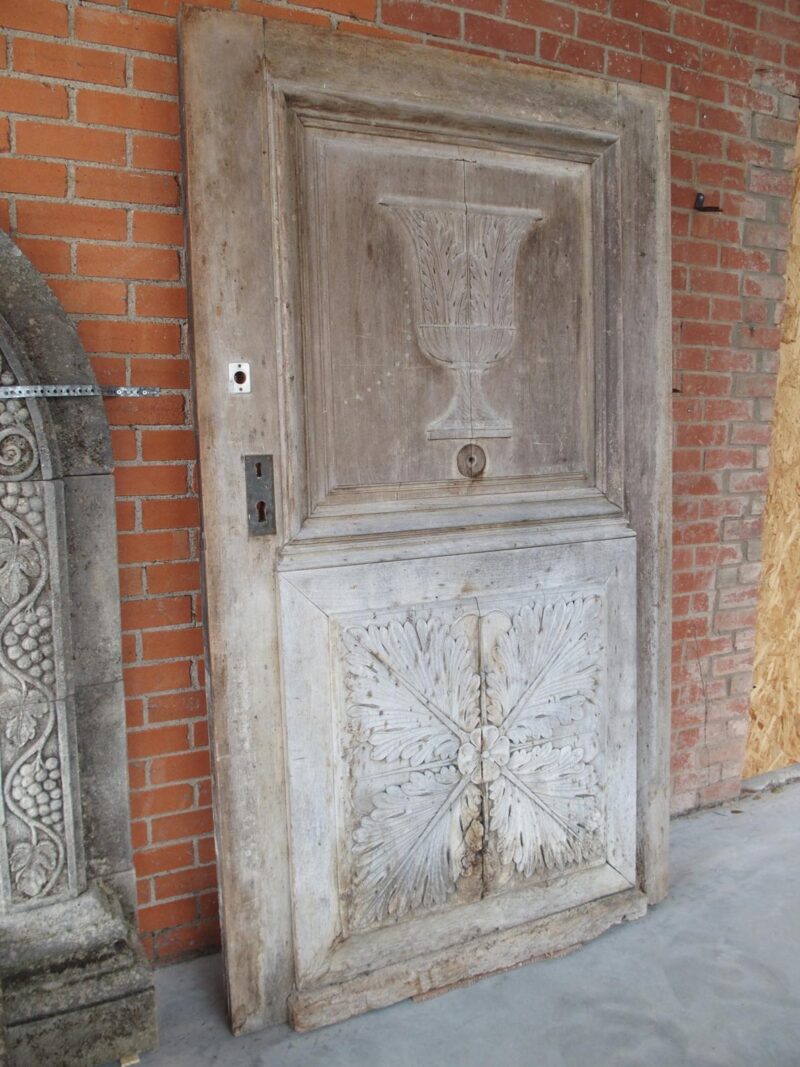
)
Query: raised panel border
[
  {"x": 312, "y": 601},
  {"x": 314, "y": 512}
]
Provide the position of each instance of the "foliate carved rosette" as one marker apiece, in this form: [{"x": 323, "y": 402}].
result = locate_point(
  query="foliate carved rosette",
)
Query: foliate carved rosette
[
  {"x": 464, "y": 264},
  {"x": 458, "y": 769},
  {"x": 34, "y": 834}
]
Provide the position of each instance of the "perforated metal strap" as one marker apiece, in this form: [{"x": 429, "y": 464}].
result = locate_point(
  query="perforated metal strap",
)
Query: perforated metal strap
[{"x": 24, "y": 392}]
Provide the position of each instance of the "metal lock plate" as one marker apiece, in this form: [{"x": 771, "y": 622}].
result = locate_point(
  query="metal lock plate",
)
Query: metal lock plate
[
  {"x": 238, "y": 378},
  {"x": 259, "y": 483}
]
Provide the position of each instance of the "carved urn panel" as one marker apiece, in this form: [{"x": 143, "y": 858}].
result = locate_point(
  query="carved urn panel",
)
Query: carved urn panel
[{"x": 437, "y": 688}]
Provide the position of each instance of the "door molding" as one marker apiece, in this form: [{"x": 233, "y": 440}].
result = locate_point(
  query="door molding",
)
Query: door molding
[{"x": 244, "y": 80}]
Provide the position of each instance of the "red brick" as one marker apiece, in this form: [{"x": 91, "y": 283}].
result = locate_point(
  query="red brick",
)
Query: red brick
[
  {"x": 644, "y": 12},
  {"x": 171, "y": 798},
  {"x": 173, "y": 578},
  {"x": 155, "y": 75},
  {"x": 182, "y": 824},
  {"x": 728, "y": 458},
  {"x": 123, "y": 445},
  {"x": 157, "y": 228},
  {"x": 700, "y": 85},
  {"x": 500, "y": 35},
  {"x": 127, "y": 111},
  {"x": 28, "y": 97},
  {"x": 36, "y": 16},
  {"x": 166, "y": 373},
  {"x": 754, "y": 44},
  {"x": 152, "y": 612},
  {"x": 171, "y": 706},
  {"x": 748, "y": 483},
  {"x": 169, "y": 444},
  {"x": 779, "y": 25},
  {"x": 125, "y": 31},
  {"x": 127, "y": 186},
  {"x": 571, "y": 53},
  {"x": 606, "y": 31},
  {"x": 129, "y": 411},
  {"x": 176, "y": 769},
  {"x": 772, "y": 182},
  {"x": 171, "y": 514},
  {"x": 725, "y": 410},
  {"x": 151, "y": 481},
  {"x": 700, "y": 29},
  {"x": 68, "y": 62},
  {"x": 157, "y": 678},
  {"x": 32, "y": 177},
  {"x": 694, "y": 384},
  {"x": 713, "y": 118},
  {"x": 184, "y": 882},
  {"x": 714, "y": 281},
  {"x": 172, "y": 644},
  {"x": 705, "y": 333},
  {"x": 71, "y": 220},
  {"x": 702, "y": 253},
  {"x": 254, "y": 7},
  {"x": 157, "y": 153},
  {"x": 99, "y": 298},
  {"x": 70, "y": 142},
  {"x": 541, "y": 13},
  {"x": 157, "y": 741},
  {"x": 166, "y": 858},
  {"x": 413, "y": 16},
  {"x": 153, "y": 547},
  {"x": 129, "y": 337},
  {"x": 727, "y": 66},
  {"x": 163, "y": 916},
  {"x": 101, "y": 261},
  {"x": 160, "y": 301},
  {"x": 743, "y": 14},
  {"x": 722, "y": 175},
  {"x": 172, "y": 944}
]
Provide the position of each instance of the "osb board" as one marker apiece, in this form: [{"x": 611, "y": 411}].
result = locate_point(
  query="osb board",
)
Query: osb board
[{"x": 774, "y": 738}]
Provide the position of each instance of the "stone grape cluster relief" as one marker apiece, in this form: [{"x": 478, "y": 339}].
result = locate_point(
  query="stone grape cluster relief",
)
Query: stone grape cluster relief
[
  {"x": 34, "y": 846},
  {"x": 474, "y": 745}
]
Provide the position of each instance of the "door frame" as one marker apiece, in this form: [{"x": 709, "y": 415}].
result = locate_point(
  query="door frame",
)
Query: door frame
[{"x": 236, "y": 74}]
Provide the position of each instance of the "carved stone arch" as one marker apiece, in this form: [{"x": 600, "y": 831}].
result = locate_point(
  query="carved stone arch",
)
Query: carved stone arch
[{"x": 67, "y": 889}]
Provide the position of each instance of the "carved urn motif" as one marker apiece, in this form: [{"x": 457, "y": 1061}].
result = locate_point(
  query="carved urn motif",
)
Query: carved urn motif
[{"x": 465, "y": 258}]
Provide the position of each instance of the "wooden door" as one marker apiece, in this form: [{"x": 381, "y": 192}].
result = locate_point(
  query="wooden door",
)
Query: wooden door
[{"x": 439, "y": 657}]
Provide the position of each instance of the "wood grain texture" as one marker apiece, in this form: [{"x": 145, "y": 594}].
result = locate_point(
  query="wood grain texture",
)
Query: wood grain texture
[
  {"x": 299, "y": 214},
  {"x": 774, "y": 737},
  {"x": 233, "y": 318}
]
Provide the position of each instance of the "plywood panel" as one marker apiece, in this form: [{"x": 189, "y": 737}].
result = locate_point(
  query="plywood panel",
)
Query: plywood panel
[{"x": 774, "y": 738}]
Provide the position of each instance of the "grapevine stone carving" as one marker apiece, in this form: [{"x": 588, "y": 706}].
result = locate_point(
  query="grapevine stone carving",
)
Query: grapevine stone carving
[
  {"x": 466, "y": 256},
  {"x": 35, "y": 838},
  {"x": 463, "y": 762}
]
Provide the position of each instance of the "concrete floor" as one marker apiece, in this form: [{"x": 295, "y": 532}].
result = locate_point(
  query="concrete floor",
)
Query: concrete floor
[{"x": 710, "y": 977}]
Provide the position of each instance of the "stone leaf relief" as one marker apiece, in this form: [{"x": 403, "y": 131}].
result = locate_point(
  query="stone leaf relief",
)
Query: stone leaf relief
[
  {"x": 465, "y": 257},
  {"x": 477, "y": 757},
  {"x": 30, "y": 763}
]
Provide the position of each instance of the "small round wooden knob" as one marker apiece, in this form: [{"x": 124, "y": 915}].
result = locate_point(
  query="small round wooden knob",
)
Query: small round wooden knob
[{"x": 471, "y": 460}]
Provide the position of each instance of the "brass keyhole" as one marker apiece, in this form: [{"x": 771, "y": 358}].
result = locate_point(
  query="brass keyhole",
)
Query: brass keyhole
[{"x": 471, "y": 461}]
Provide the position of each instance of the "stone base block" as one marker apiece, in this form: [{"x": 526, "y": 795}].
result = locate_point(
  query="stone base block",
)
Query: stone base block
[{"x": 77, "y": 990}]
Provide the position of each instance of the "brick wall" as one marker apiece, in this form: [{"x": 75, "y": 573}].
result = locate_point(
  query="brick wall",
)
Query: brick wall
[{"x": 90, "y": 189}]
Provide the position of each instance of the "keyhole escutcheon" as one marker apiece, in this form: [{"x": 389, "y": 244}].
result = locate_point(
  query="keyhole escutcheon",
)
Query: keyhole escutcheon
[{"x": 471, "y": 461}]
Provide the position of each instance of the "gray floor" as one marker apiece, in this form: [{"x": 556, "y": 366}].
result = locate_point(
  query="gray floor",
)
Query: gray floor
[{"x": 710, "y": 977}]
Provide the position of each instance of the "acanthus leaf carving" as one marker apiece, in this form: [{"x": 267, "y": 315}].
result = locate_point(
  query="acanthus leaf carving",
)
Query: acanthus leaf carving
[{"x": 466, "y": 779}]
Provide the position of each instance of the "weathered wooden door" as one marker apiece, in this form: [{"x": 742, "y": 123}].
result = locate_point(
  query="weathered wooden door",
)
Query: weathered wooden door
[{"x": 447, "y": 279}]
